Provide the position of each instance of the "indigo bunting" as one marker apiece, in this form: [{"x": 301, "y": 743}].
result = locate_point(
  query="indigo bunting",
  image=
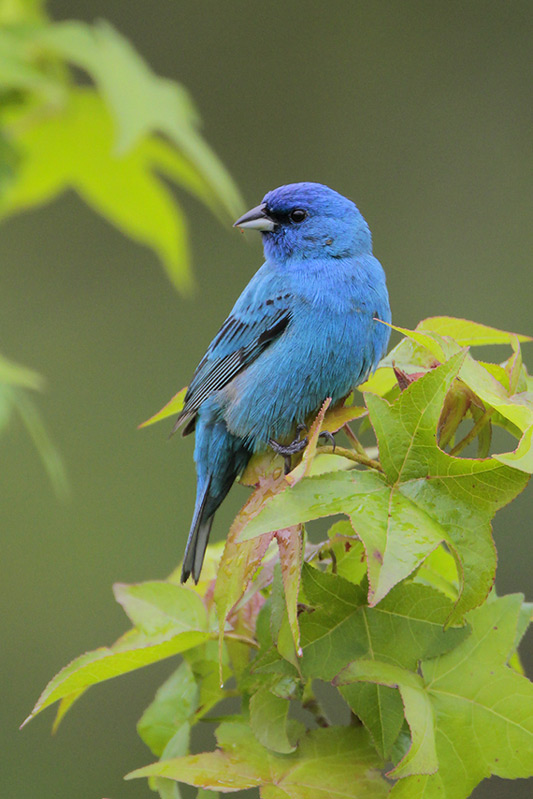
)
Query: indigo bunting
[{"x": 305, "y": 328}]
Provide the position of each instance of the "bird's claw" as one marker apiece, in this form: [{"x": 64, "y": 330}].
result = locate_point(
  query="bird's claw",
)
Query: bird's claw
[
  {"x": 330, "y": 438},
  {"x": 287, "y": 450},
  {"x": 290, "y": 449}
]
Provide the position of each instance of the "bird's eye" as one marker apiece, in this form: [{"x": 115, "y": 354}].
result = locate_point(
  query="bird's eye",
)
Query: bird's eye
[{"x": 298, "y": 215}]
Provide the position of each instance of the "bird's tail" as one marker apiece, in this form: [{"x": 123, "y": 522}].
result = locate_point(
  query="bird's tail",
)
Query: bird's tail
[
  {"x": 198, "y": 536},
  {"x": 219, "y": 457}
]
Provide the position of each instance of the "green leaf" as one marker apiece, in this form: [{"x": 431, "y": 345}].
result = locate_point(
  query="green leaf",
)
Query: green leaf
[
  {"x": 439, "y": 570},
  {"x": 239, "y": 561},
  {"x": 64, "y": 706},
  {"x": 517, "y": 408},
  {"x": 421, "y": 757},
  {"x": 160, "y": 607},
  {"x": 171, "y": 619},
  {"x": 18, "y": 400},
  {"x": 20, "y": 70},
  {"x": 75, "y": 149},
  {"x": 102, "y": 664},
  {"x": 290, "y": 555},
  {"x": 366, "y": 498},
  {"x": 346, "y": 551},
  {"x": 177, "y": 746},
  {"x": 483, "y": 709},
  {"x": 173, "y": 706},
  {"x": 406, "y": 626},
  {"x": 206, "y": 666},
  {"x": 329, "y": 762},
  {"x": 467, "y": 333},
  {"x": 460, "y": 494},
  {"x": 340, "y": 415},
  {"x": 280, "y": 628},
  {"x": 522, "y": 457},
  {"x": 172, "y": 408},
  {"x": 268, "y": 720},
  {"x": 141, "y": 102}
]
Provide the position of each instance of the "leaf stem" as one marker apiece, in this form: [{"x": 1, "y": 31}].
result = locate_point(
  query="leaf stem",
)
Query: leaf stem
[
  {"x": 243, "y": 639},
  {"x": 357, "y": 457},
  {"x": 358, "y": 447}
]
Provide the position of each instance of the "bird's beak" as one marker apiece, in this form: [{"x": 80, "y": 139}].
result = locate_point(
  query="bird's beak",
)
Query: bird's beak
[{"x": 256, "y": 219}]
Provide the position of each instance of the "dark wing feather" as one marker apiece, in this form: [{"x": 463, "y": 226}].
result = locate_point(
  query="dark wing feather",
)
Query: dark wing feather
[{"x": 235, "y": 346}]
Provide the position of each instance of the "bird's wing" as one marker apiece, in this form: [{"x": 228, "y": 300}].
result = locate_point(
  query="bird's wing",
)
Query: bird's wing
[{"x": 240, "y": 340}]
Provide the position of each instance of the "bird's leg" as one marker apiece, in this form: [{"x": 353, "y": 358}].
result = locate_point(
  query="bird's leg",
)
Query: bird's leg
[{"x": 287, "y": 450}]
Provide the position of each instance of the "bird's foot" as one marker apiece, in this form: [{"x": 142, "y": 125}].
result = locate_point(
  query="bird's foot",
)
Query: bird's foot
[{"x": 287, "y": 450}]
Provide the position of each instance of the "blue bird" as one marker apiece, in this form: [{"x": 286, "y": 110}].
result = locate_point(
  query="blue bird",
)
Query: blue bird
[{"x": 303, "y": 329}]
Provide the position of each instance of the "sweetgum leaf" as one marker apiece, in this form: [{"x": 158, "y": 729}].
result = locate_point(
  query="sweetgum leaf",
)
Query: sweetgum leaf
[
  {"x": 290, "y": 555},
  {"x": 405, "y": 627},
  {"x": 239, "y": 562},
  {"x": 504, "y": 390},
  {"x": 268, "y": 720},
  {"x": 19, "y": 400},
  {"x": 346, "y": 551},
  {"x": 170, "y": 619},
  {"x": 439, "y": 570},
  {"x": 421, "y": 757},
  {"x": 516, "y": 408},
  {"x": 129, "y": 653},
  {"x": 14, "y": 374},
  {"x": 160, "y": 607},
  {"x": 74, "y": 149},
  {"x": 337, "y": 761},
  {"x": 462, "y": 494},
  {"x": 174, "y": 704},
  {"x": 143, "y": 103},
  {"x": 467, "y": 333},
  {"x": 207, "y": 667},
  {"x": 366, "y": 498},
  {"x": 483, "y": 710},
  {"x": 340, "y": 415}
]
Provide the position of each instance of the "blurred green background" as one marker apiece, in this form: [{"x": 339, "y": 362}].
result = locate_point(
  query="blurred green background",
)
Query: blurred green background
[{"x": 421, "y": 113}]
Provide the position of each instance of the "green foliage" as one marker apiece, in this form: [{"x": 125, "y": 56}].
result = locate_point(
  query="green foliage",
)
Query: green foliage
[
  {"x": 16, "y": 383},
  {"x": 111, "y": 142},
  {"x": 395, "y": 609}
]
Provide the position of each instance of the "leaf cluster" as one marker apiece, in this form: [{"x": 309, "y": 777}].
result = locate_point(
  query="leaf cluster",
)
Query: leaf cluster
[
  {"x": 118, "y": 137},
  {"x": 395, "y": 609}
]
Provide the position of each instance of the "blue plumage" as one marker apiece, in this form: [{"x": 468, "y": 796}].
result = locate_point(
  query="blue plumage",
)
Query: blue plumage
[{"x": 302, "y": 330}]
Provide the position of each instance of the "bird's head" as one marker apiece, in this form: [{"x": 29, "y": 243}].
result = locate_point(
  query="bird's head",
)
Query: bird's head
[{"x": 308, "y": 220}]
